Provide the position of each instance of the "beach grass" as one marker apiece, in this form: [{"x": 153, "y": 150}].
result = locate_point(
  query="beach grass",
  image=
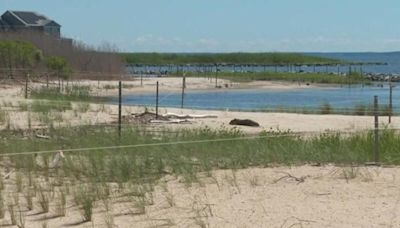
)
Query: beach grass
[
  {"x": 151, "y": 162},
  {"x": 69, "y": 93},
  {"x": 101, "y": 174}
]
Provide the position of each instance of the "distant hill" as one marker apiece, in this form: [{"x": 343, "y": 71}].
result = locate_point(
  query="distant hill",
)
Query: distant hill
[{"x": 225, "y": 58}]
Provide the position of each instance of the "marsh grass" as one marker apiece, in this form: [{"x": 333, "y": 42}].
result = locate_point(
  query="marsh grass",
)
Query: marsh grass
[
  {"x": 226, "y": 58},
  {"x": 320, "y": 78},
  {"x": 327, "y": 108}
]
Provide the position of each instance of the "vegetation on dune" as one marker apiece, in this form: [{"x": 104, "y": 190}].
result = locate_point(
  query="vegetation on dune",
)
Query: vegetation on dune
[
  {"x": 69, "y": 93},
  {"x": 98, "y": 168},
  {"x": 146, "y": 163},
  {"x": 228, "y": 58}
]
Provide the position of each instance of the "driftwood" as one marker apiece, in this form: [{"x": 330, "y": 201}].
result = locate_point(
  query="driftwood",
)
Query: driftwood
[
  {"x": 168, "y": 118},
  {"x": 42, "y": 136},
  {"x": 172, "y": 121},
  {"x": 290, "y": 176},
  {"x": 188, "y": 116}
]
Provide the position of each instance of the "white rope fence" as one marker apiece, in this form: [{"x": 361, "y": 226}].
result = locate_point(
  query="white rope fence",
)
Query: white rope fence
[{"x": 146, "y": 145}]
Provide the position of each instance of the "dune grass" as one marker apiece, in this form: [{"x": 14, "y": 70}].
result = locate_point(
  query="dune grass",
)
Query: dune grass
[
  {"x": 69, "y": 93},
  {"x": 146, "y": 163},
  {"x": 87, "y": 179}
]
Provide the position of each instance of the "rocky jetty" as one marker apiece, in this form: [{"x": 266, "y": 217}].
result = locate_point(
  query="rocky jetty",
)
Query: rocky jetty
[{"x": 383, "y": 77}]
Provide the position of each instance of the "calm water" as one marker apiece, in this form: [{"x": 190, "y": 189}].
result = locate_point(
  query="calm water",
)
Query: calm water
[
  {"x": 344, "y": 97},
  {"x": 341, "y": 97}
]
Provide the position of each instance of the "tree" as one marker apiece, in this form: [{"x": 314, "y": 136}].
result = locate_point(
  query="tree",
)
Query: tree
[
  {"x": 59, "y": 66},
  {"x": 18, "y": 54}
]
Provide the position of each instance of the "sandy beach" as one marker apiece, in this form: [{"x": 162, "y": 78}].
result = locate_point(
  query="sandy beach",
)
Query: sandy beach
[
  {"x": 285, "y": 197},
  {"x": 105, "y": 114},
  {"x": 299, "y": 196}
]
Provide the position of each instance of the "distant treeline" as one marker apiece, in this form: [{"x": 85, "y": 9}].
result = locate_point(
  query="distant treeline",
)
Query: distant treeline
[{"x": 225, "y": 58}]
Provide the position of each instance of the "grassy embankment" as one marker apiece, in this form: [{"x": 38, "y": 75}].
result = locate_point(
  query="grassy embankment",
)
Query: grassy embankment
[
  {"x": 227, "y": 58},
  {"x": 320, "y": 78},
  {"x": 250, "y": 58}
]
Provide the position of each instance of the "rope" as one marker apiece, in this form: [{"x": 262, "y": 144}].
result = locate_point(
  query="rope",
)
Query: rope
[{"x": 145, "y": 145}]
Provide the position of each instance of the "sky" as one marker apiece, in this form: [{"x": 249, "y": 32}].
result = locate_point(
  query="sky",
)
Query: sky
[{"x": 225, "y": 25}]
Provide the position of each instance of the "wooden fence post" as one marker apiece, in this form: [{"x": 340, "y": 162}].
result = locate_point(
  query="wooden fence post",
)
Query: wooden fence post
[
  {"x": 119, "y": 108},
  {"x": 157, "y": 101},
  {"x": 376, "y": 131}
]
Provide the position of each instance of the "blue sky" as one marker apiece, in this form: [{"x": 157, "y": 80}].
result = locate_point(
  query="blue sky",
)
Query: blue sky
[{"x": 226, "y": 25}]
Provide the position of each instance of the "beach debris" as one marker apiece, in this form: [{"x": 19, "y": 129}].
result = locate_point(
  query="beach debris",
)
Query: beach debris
[
  {"x": 171, "y": 121},
  {"x": 168, "y": 118},
  {"x": 289, "y": 176},
  {"x": 42, "y": 136},
  {"x": 142, "y": 118},
  {"x": 189, "y": 116},
  {"x": 244, "y": 122}
]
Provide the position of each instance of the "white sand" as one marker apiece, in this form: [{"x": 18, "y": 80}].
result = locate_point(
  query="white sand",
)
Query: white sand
[
  {"x": 255, "y": 197},
  {"x": 245, "y": 198}
]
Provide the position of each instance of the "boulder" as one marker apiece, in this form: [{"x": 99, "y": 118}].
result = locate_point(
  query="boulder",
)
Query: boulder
[{"x": 245, "y": 122}]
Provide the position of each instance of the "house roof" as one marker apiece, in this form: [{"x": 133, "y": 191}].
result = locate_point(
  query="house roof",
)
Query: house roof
[{"x": 33, "y": 18}]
